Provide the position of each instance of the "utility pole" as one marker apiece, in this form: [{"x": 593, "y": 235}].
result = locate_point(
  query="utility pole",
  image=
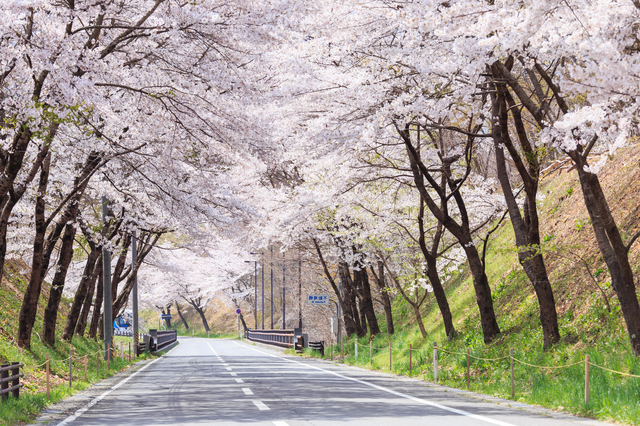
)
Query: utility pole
[
  {"x": 283, "y": 295},
  {"x": 108, "y": 303},
  {"x": 299, "y": 290},
  {"x": 262, "y": 290},
  {"x": 255, "y": 297},
  {"x": 134, "y": 259},
  {"x": 271, "y": 270}
]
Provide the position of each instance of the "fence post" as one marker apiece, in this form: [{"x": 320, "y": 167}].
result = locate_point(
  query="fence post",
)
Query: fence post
[
  {"x": 48, "y": 385},
  {"x": 435, "y": 362},
  {"x": 16, "y": 381},
  {"x": 342, "y": 350},
  {"x": 122, "y": 351},
  {"x": 390, "y": 365},
  {"x": 129, "y": 351},
  {"x": 370, "y": 352},
  {"x": 86, "y": 363},
  {"x": 468, "y": 368},
  {"x": 586, "y": 379},
  {"x": 70, "y": 366},
  {"x": 513, "y": 389},
  {"x": 410, "y": 347},
  {"x": 356, "y": 350},
  {"x": 5, "y": 385},
  {"x": 98, "y": 364}
]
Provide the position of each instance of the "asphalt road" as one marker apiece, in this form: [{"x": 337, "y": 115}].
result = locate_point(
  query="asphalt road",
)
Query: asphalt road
[{"x": 223, "y": 382}]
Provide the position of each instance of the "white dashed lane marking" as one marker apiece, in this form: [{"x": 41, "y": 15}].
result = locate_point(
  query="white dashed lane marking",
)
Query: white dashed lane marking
[
  {"x": 247, "y": 391},
  {"x": 261, "y": 405},
  {"x": 239, "y": 381}
]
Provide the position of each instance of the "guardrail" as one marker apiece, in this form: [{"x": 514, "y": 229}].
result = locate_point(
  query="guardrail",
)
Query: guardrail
[
  {"x": 14, "y": 380},
  {"x": 161, "y": 339},
  {"x": 282, "y": 338},
  {"x": 318, "y": 346}
]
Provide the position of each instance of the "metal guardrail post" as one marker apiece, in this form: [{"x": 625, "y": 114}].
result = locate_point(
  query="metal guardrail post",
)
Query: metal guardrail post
[
  {"x": 468, "y": 359},
  {"x": 435, "y": 362},
  {"x": 70, "y": 367},
  {"x": 586, "y": 379},
  {"x": 513, "y": 389},
  {"x": 410, "y": 358},
  {"x": 48, "y": 383}
]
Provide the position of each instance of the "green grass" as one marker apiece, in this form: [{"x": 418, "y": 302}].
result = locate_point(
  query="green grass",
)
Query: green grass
[{"x": 586, "y": 327}]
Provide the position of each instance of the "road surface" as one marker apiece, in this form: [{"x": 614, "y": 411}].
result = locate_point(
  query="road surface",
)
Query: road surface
[{"x": 224, "y": 382}]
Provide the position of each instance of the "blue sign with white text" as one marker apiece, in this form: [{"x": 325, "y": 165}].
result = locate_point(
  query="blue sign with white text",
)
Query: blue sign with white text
[{"x": 317, "y": 299}]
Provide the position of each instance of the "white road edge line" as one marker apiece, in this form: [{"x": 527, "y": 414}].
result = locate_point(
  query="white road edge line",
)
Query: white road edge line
[
  {"x": 280, "y": 423},
  {"x": 247, "y": 391},
  {"x": 400, "y": 394},
  {"x": 84, "y": 409},
  {"x": 261, "y": 405}
]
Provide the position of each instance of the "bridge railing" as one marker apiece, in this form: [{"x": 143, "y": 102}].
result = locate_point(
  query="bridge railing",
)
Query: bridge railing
[
  {"x": 282, "y": 338},
  {"x": 160, "y": 339}
]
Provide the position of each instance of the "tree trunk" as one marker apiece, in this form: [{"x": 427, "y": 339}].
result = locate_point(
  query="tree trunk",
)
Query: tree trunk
[
  {"x": 432, "y": 272},
  {"x": 349, "y": 324},
  {"x": 384, "y": 296},
  {"x": 526, "y": 230},
  {"x": 57, "y": 286},
  {"x": 461, "y": 231},
  {"x": 29, "y": 306},
  {"x": 613, "y": 250},
  {"x": 440, "y": 296},
  {"x": 184, "y": 321},
  {"x": 168, "y": 320},
  {"x": 367, "y": 303},
  {"x": 349, "y": 306},
  {"x": 418, "y": 315},
  {"x": 81, "y": 327},
  {"x": 97, "y": 306},
  {"x": 81, "y": 294},
  {"x": 200, "y": 312}
]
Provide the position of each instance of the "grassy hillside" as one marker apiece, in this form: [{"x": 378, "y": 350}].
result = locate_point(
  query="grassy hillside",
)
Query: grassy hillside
[
  {"x": 33, "y": 397},
  {"x": 589, "y": 312}
]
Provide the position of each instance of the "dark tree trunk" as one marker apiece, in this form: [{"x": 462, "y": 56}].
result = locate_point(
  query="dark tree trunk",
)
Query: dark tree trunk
[
  {"x": 97, "y": 305},
  {"x": 244, "y": 324},
  {"x": 200, "y": 311},
  {"x": 86, "y": 306},
  {"x": 168, "y": 320},
  {"x": 432, "y": 272},
  {"x": 57, "y": 286},
  {"x": 384, "y": 296},
  {"x": 526, "y": 230},
  {"x": 461, "y": 231},
  {"x": 367, "y": 301},
  {"x": 29, "y": 307},
  {"x": 12, "y": 198},
  {"x": 147, "y": 242},
  {"x": 349, "y": 324},
  {"x": 119, "y": 272},
  {"x": 349, "y": 307},
  {"x": 184, "y": 321},
  {"x": 81, "y": 294},
  {"x": 614, "y": 251}
]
